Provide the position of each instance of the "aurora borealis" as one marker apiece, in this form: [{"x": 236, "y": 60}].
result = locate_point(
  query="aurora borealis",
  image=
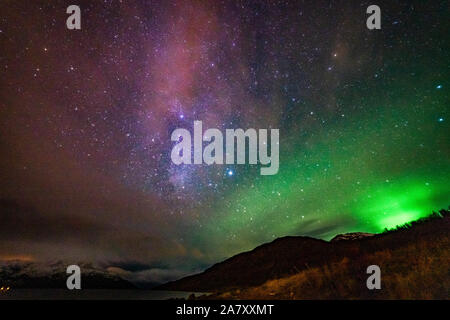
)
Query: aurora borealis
[{"x": 86, "y": 118}]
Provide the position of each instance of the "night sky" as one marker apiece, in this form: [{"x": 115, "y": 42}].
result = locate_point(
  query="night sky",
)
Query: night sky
[{"x": 86, "y": 117}]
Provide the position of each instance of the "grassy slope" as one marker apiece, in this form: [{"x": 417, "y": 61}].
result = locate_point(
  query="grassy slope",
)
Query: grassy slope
[{"x": 414, "y": 262}]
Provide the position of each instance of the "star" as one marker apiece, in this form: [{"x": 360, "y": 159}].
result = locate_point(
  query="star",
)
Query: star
[{"x": 91, "y": 115}]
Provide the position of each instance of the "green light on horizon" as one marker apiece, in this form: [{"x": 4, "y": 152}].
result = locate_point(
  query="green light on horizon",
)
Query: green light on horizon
[
  {"x": 398, "y": 219},
  {"x": 394, "y": 205}
]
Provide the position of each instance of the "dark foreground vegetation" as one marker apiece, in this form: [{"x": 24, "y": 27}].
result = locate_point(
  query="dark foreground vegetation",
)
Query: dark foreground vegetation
[{"x": 414, "y": 259}]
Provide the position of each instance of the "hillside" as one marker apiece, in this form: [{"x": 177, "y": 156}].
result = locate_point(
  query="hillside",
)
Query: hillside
[{"x": 413, "y": 255}]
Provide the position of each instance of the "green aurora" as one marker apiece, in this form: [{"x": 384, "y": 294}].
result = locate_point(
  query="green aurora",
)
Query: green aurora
[
  {"x": 385, "y": 170},
  {"x": 86, "y": 119}
]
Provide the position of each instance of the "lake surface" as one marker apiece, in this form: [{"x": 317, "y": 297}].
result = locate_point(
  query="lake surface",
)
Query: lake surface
[{"x": 91, "y": 294}]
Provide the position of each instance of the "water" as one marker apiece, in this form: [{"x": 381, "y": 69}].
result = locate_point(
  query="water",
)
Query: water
[{"x": 92, "y": 294}]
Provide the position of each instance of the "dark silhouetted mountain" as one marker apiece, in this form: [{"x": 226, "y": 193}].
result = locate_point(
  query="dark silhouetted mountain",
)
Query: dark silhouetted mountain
[{"x": 291, "y": 255}]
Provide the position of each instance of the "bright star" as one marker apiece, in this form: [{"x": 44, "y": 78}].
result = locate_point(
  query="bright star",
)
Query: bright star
[
  {"x": 230, "y": 172},
  {"x": 439, "y": 86}
]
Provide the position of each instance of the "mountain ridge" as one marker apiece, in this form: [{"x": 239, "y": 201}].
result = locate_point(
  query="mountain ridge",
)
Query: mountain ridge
[
  {"x": 289, "y": 255},
  {"x": 30, "y": 275}
]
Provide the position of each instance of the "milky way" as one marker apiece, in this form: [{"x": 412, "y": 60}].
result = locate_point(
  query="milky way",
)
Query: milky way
[{"x": 86, "y": 119}]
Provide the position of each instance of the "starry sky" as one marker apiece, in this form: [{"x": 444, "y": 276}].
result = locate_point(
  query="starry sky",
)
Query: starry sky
[{"x": 86, "y": 117}]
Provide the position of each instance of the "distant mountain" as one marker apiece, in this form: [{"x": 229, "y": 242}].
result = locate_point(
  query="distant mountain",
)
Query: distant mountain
[
  {"x": 352, "y": 236},
  {"x": 292, "y": 255},
  {"x": 30, "y": 275}
]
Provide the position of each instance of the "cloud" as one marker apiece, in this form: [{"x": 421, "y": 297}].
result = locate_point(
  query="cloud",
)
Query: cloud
[{"x": 26, "y": 231}]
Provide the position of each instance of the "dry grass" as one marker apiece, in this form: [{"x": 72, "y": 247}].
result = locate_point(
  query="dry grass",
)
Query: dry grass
[{"x": 416, "y": 271}]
